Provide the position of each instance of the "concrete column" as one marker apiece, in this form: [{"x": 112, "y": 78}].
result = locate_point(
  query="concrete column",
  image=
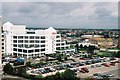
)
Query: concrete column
[
  {"x": 22, "y": 55},
  {"x": 27, "y": 56}
]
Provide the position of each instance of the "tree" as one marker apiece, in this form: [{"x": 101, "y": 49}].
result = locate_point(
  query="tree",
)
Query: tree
[
  {"x": 81, "y": 46},
  {"x": 8, "y": 68},
  {"x": 59, "y": 57},
  {"x": 28, "y": 64},
  {"x": 69, "y": 75},
  {"x": 21, "y": 71},
  {"x": 77, "y": 47}
]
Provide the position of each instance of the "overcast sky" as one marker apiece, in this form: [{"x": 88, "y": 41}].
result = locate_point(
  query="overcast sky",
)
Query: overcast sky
[{"x": 62, "y": 14}]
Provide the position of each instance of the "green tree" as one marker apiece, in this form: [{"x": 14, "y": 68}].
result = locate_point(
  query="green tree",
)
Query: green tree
[
  {"x": 69, "y": 75},
  {"x": 8, "y": 68},
  {"x": 21, "y": 71},
  {"x": 28, "y": 64}
]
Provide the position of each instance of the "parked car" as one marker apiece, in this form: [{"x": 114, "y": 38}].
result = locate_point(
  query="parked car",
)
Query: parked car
[
  {"x": 88, "y": 62},
  {"x": 112, "y": 58},
  {"x": 98, "y": 65},
  {"x": 85, "y": 69},
  {"x": 97, "y": 76},
  {"x": 81, "y": 64},
  {"x": 93, "y": 66},
  {"x": 109, "y": 75},
  {"x": 112, "y": 64},
  {"x": 106, "y": 65},
  {"x": 82, "y": 71}
]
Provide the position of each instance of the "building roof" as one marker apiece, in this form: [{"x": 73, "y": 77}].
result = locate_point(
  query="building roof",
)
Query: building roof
[
  {"x": 8, "y": 23},
  {"x": 51, "y": 29}
]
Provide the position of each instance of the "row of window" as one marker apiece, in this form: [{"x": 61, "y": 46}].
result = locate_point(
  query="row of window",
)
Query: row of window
[
  {"x": 29, "y": 37},
  {"x": 28, "y": 46},
  {"x": 28, "y": 51},
  {"x": 30, "y": 41}
]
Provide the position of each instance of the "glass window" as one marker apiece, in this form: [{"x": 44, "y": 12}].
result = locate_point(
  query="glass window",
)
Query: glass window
[
  {"x": 42, "y": 37},
  {"x": 30, "y": 51},
  {"x": 42, "y": 49},
  {"x": 15, "y": 37},
  {"x": 26, "y": 41},
  {"x": 36, "y": 41},
  {"x": 26, "y": 37},
  {"x": 36, "y": 50},
  {"x": 42, "y": 41},
  {"x": 25, "y": 51},
  {"x": 20, "y": 41},
  {"x": 14, "y": 49},
  {"x": 57, "y": 44},
  {"x": 14, "y": 41},
  {"x": 31, "y": 37},
  {"x": 42, "y": 45},
  {"x": 2, "y": 47},
  {"x": 57, "y": 36},
  {"x": 14, "y": 45},
  {"x": 57, "y": 40},
  {"x": 37, "y": 37},
  {"x": 20, "y": 37},
  {"x": 19, "y": 50},
  {"x": 31, "y": 41}
]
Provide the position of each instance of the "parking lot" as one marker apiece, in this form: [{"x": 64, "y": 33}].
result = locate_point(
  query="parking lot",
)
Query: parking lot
[{"x": 82, "y": 69}]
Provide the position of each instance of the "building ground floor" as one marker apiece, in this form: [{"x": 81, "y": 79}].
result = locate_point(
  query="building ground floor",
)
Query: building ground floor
[{"x": 28, "y": 55}]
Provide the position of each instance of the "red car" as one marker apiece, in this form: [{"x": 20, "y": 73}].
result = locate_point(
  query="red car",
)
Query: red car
[
  {"x": 106, "y": 65},
  {"x": 82, "y": 71},
  {"x": 83, "y": 58},
  {"x": 112, "y": 63},
  {"x": 85, "y": 69}
]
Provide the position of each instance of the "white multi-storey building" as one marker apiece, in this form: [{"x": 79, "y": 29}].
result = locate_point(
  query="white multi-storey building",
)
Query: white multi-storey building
[{"x": 29, "y": 43}]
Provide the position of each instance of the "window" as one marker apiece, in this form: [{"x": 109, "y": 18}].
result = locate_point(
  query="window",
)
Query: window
[
  {"x": 42, "y": 45},
  {"x": 42, "y": 49},
  {"x": 20, "y": 41},
  {"x": 30, "y": 32},
  {"x": 30, "y": 51},
  {"x": 2, "y": 47},
  {"x": 19, "y": 50},
  {"x": 36, "y": 50},
  {"x": 42, "y": 37},
  {"x": 37, "y": 37},
  {"x": 14, "y": 49},
  {"x": 20, "y": 37},
  {"x": 31, "y": 37},
  {"x": 26, "y": 41},
  {"x": 36, "y": 41},
  {"x": 57, "y": 40},
  {"x": 42, "y": 41},
  {"x": 19, "y": 45},
  {"x": 26, "y": 37},
  {"x": 57, "y": 44},
  {"x": 14, "y": 41},
  {"x": 31, "y": 41},
  {"x": 15, "y": 37},
  {"x": 36, "y": 46},
  {"x": 14, "y": 45},
  {"x": 57, "y": 36},
  {"x": 25, "y": 51}
]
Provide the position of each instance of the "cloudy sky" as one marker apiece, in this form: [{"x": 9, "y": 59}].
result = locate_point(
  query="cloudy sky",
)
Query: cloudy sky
[{"x": 62, "y": 14}]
